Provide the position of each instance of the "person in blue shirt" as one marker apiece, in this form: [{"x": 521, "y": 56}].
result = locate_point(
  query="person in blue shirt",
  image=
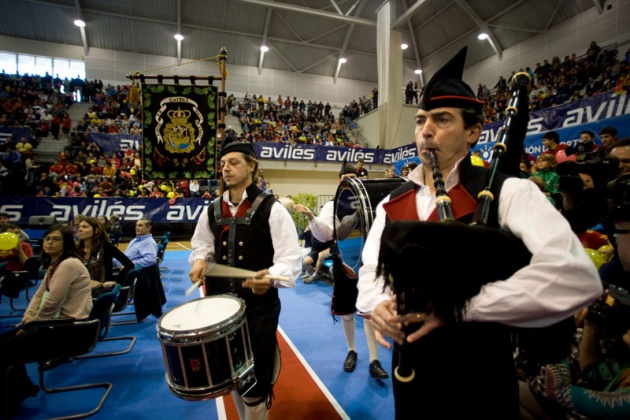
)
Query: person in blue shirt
[{"x": 142, "y": 250}]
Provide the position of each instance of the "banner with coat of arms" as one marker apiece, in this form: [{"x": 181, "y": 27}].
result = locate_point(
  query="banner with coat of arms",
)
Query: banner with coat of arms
[{"x": 179, "y": 131}]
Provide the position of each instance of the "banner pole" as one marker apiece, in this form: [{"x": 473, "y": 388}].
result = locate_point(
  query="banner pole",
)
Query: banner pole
[{"x": 222, "y": 111}]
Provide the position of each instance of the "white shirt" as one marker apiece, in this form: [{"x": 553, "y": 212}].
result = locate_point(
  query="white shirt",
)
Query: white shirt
[
  {"x": 560, "y": 280},
  {"x": 286, "y": 249},
  {"x": 193, "y": 187},
  {"x": 321, "y": 226}
]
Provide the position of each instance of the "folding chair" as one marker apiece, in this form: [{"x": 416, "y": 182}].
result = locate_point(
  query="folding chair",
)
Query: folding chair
[
  {"x": 102, "y": 310},
  {"x": 72, "y": 338}
]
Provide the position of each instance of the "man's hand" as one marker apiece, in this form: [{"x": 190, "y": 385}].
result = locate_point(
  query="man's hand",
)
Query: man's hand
[
  {"x": 198, "y": 271},
  {"x": 430, "y": 322},
  {"x": 387, "y": 322},
  {"x": 302, "y": 209},
  {"x": 258, "y": 284},
  {"x": 382, "y": 317}
]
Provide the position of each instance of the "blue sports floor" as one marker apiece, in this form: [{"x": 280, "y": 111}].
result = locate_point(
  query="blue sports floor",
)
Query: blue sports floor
[{"x": 139, "y": 388}]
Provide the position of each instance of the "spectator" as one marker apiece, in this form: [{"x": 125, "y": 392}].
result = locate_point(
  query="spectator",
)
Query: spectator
[
  {"x": 100, "y": 256},
  {"x": 608, "y": 136},
  {"x": 142, "y": 250},
  {"x": 362, "y": 173},
  {"x": 551, "y": 140},
  {"x": 547, "y": 172},
  {"x": 16, "y": 257},
  {"x": 64, "y": 293},
  {"x": 24, "y": 147}
]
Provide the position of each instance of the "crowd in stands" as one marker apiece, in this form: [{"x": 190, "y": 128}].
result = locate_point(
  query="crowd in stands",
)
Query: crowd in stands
[
  {"x": 554, "y": 83},
  {"x": 293, "y": 122},
  {"x": 41, "y": 103},
  {"x": 561, "y": 81}
]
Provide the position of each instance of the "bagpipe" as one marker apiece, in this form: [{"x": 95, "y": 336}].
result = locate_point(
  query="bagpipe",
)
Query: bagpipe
[{"x": 437, "y": 267}]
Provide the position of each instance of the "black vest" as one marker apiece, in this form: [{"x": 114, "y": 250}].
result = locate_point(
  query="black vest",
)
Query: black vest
[{"x": 244, "y": 242}]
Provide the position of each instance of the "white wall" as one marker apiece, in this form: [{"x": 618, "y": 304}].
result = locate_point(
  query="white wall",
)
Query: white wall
[
  {"x": 114, "y": 66},
  {"x": 571, "y": 36},
  {"x": 403, "y": 129},
  {"x": 27, "y": 46}
]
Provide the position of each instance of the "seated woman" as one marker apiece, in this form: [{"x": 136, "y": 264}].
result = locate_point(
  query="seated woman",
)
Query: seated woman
[
  {"x": 65, "y": 292},
  {"x": 98, "y": 255}
]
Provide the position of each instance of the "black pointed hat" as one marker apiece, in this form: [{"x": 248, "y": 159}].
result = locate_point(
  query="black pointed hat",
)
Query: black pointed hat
[
  {"x": 447, "y": 89},
  {"x": 234, "y": 144},
  {"x": 347, "y": 168}
]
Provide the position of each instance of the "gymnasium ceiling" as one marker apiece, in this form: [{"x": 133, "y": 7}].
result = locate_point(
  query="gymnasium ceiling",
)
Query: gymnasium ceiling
[{"x": 304, "y": 36}]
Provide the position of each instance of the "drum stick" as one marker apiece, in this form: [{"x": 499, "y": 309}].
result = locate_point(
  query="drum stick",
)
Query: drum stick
[
  {"x": 193, "y": 287},
  {"x": 220, "y": 270}
]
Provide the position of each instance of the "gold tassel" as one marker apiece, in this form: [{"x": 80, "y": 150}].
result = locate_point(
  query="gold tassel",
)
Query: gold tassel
[
  {"x": 134, "y": 94},
  {"x": 225, "y": 72}
]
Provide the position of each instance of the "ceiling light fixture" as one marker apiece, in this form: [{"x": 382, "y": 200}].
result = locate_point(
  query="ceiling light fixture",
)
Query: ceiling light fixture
[
  {"x": 482, "y": 36},
  {"x": 418, "y": 71},
  {"x": 343, "y": 60},
  {"x": 264, "y": 48},
  {"x": 179, "y": 37},
  {"x": 80, "y": 23},
  {"x": 404, "y": 46}
]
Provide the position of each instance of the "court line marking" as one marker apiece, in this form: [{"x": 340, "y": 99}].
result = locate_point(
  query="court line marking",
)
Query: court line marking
[
  {"x": 318, "y": 381},
  {"x": 221, "y": 413}
]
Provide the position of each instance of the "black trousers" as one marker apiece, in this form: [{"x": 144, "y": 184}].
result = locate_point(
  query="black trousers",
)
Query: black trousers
[
  {"x": 15, "y": 351},
  {"x": 464, "y": 370},
  {"x": 262, "y": 313}
]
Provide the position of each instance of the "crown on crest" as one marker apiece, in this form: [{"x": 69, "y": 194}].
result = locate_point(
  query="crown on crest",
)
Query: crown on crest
[{"x": 179, "y": 117}]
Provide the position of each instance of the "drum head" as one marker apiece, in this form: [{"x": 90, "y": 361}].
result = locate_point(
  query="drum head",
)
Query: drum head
[
  {"x": 355, "y": 208},
  {"x": 198, "y": 314}
]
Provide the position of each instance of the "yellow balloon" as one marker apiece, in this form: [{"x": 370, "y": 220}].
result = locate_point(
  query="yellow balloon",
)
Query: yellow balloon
[
  {"x": 606, "y": 248},
  {"x": 132, "y": 171},
  {"x": 476, "y": 160},
  {"x": 171, "y": 194},
  {"x": 131, "y": 194},
  {"x": 596, "y": 257},
  {"x": 96, "y": 196},
  {"x": 163, "y": 187},
  {"x": 8, "y": 240}
]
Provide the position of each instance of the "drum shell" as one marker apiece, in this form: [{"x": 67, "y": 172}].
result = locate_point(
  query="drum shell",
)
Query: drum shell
[{"x": 204, "y": 363}]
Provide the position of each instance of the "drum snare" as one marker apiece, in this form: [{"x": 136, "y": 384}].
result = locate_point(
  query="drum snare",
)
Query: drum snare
[{"x": 207, "y": 349}]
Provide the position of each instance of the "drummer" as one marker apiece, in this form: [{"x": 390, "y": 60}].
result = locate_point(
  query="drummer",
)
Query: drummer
[
  {"x": 268, "y": 245},
  {"x": 559, "y": 281},
  {"x": 322, "y": 229}
]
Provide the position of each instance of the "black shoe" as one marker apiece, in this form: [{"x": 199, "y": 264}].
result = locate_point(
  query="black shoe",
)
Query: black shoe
[
  {"x": 377, "y": 371},
  {"x": 351, "y": 361}
]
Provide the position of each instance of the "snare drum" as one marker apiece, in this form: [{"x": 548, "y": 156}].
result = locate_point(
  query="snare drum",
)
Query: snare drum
[{"x": 207, "y": 349}]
